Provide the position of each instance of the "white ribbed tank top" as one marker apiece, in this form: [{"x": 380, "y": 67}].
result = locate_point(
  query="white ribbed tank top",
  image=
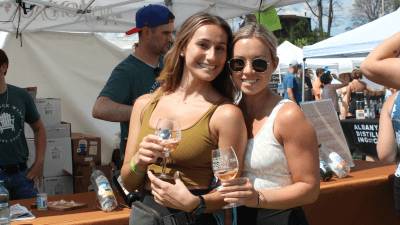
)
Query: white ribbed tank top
[{"x": 265, "y": 162}]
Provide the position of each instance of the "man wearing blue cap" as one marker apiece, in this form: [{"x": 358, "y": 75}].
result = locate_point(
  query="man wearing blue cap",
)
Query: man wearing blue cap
[{"x": 136, "y": 75}]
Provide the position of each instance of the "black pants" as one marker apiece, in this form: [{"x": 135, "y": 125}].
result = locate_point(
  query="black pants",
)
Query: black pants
[
  {"x": 204, "y": 219},
  {"x": 396, "y": 194},
  {"x": 254, "y": 216}
]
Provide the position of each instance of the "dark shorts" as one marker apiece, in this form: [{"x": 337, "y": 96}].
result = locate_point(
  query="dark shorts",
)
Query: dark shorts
[
  {"x": 204, "y": 219},
  {"x": 294, "y": 216},
  {"x": 18, "y": 186}
]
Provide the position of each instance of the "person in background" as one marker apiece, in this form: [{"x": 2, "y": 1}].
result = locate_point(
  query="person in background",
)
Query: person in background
[
  {"x": 291, "y": 87},
  {"x": 196, "y": 91},
  {"x": 280, "y": 172},
  {"x": 308, "y": 95},
  {"x": 16, "y": 108},
  {"x": 355, "y": 86},
  {"x": 383, "y": 64},
  {"x": 328, "y": 90},
  {"x": 136, "y": 75},
  {"x": 342, "y": 95},
  {"x": 317, "y": 84}
]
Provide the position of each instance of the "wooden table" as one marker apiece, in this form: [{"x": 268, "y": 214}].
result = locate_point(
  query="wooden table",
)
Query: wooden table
[
  {"x": 363, "y": 198},
  {"x": 90, "y": 215}
]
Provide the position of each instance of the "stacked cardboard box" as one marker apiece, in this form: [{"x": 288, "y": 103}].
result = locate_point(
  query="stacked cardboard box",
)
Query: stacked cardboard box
[
  {"x": 57, "y": 170},
  {"x": 85, "y": 150}
]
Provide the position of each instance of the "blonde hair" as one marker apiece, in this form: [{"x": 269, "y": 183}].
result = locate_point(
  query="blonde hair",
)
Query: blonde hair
[
  {"x": 257, "y": 30},
  {"x": 171, "y": 75}
]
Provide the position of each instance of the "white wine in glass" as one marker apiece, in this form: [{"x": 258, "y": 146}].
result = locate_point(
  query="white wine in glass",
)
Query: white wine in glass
[
  {"x": 225, "y": 166},
  {"x": 169, "y": 133}
]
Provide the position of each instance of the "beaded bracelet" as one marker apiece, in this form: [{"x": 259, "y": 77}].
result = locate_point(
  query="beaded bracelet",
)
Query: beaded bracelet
[{"x": 259, "y": 194}]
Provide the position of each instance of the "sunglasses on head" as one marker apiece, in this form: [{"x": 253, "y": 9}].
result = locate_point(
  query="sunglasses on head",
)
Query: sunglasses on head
[{"x": 259, "y": 65}]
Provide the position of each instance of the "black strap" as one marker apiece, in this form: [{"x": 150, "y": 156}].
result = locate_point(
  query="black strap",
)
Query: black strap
[{"x": 180, "y": 218}]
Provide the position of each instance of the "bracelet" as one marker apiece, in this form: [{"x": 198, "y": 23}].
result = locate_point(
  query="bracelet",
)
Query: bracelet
[
  {"x": 134, "y": 169},
  {"x": 258, "y": 199}
]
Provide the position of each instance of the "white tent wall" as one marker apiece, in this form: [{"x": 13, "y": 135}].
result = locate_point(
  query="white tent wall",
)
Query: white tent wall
[{"x": 70, "y": 66}]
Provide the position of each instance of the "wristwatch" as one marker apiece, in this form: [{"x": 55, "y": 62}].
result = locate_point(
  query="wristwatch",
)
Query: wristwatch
[{"x": 200, "y": 208}]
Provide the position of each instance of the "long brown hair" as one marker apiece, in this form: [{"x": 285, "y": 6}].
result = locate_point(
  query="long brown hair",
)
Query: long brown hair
[{"x": 171, "y": 75}]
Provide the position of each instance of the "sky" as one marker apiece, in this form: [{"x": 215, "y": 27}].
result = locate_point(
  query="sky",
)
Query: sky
[{"x": 341, "y": 22}]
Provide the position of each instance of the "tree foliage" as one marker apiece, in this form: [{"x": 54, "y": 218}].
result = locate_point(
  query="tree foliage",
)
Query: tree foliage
[
  {"x": 321, "y": 10},
  {"x": 365, "y": 11}
]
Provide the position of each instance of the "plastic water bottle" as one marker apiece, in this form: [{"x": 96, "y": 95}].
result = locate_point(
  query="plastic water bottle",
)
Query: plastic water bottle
[
  {"x": 4, "y": 207},
  {"x": 338, "y": 165},
  {"x": 103, "y": 189},
  {"x": 324, "y": 171}
]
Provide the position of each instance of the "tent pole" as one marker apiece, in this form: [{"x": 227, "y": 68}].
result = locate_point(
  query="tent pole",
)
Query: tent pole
[
  {"x": 302, "y": 80},
  {"x": 33, "y": 18}
]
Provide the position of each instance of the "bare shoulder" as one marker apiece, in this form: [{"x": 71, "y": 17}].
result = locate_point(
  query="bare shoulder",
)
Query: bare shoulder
[
  {"x": 142, "y": 101},
  {"x": 289, "y": 117},
  {"x": 290, "y": 111},
  {"x": 227, "y": 112},
  {"x": 291, "y": 124}
]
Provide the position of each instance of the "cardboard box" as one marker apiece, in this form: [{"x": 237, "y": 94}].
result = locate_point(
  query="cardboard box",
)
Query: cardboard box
[
  {"x": 49, "y": 110},
  {"x": 85, "y": 148},
  {"x": 82, "y": 174},
  {"x": 59, "y": 185},
  {"x": 58, "y": 158},
  {"x": 55, "y": 131}
]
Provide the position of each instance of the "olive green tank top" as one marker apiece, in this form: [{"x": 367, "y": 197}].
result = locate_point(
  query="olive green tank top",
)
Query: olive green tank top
[{"x": 192, "y": 158}]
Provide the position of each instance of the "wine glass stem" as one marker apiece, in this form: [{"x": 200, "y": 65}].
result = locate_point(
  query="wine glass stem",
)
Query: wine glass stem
[{"x": 164, "y": 162}]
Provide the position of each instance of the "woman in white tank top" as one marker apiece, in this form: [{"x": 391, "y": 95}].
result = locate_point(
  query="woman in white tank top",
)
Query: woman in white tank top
[{"x": 281, "y": 163}]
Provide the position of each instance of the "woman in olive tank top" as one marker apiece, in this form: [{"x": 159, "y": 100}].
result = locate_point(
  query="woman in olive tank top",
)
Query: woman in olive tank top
[{"x": 196, "y": 91}]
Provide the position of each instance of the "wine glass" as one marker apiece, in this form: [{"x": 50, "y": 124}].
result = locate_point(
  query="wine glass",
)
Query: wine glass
[
  {"x": 225, "y": 166},
  {"x": 169, "y": 133}
]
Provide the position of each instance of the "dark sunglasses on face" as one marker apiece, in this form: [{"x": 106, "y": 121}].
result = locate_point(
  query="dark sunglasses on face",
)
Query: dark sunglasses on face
[{"x": 259, "y": 65}]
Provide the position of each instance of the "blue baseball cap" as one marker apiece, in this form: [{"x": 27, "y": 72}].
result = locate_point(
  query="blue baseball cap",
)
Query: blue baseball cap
[{"x": 151, "y": 16}]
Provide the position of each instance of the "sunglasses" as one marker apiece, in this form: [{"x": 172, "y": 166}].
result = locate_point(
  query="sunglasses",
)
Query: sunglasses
[{"x": 237, "y": 65}]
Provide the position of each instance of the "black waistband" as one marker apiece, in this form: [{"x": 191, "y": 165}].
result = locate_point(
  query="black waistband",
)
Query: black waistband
[{"x": 13, "y": 168}]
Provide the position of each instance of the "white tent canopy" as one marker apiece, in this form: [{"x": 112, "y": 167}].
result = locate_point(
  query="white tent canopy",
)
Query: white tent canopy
[
  {"x": 357, "y": 42},
  {"x": 287, "y": 53},
  {"x": 111, "y": 15},
  {"x": 75, "y": 66}
]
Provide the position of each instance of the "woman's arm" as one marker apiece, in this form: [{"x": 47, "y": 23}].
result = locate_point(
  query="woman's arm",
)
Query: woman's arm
[
  {"x": 386, "y": 146},
  {"x": 298, "y": 137},
  {"x": 383, "y": 65},
  {"x": 300, "y": 145},
  {"x": 342, "y": 81},
  {"x": 228, "y": 127},
  {"x": 138, "y": 155}
]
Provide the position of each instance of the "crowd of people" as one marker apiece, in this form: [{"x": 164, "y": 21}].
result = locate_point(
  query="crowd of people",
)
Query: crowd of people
[{"x": 205, "y": 79}]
